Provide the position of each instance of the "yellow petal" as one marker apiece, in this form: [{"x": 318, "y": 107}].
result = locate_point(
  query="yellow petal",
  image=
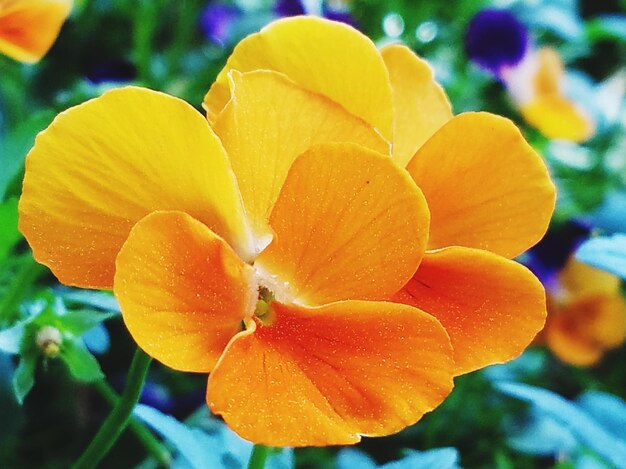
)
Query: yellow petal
[
  {"x": 323, "y": 56},
  {"x": 421, "y": 106},
  {"x": 182, "y": 290},
  {"x": 102, "y": 166},
  {"x": 486, "y": 187},
  {"x": 557, "y": 117},
  {"x": 269, "y": 121},
  {"x": 28, "y": 28},
  {"x": 327, "y": 375},
  {"x": 491, "y": 307},
  {"x": 349, "y": 224}
]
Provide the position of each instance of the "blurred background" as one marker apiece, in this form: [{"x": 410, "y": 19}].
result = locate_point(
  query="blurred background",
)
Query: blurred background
[{"x": 64, "y": 352}]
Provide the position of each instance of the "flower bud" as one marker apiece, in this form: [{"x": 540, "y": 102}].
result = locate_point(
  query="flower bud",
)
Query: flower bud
[{"x": 49, "y": 340}]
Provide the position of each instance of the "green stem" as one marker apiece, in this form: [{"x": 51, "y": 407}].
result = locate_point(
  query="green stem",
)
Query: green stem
[
  {"x": 27, "y": 274},
  {"x": 117, "y": 420},
  {"x": 143, "y": 35},
  {"x": 154, "y": 447},
  {"x": 258, "y": 457}
]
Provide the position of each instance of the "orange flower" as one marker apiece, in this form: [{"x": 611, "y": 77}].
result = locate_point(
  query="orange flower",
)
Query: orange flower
[
  {"x": 299, "y": 223},
  {"x": 28, "y": 28},
  {"x": 536, "y": 85},
  {"x": 586, "y": 314}
]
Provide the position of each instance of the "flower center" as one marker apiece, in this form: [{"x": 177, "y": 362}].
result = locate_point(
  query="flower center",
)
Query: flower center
[{"x": 263, "y": 310}]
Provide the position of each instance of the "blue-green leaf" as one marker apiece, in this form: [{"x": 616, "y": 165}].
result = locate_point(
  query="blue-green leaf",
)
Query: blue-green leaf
[
  {"x": 439, "y": 458},
  {"x": 199, "y": 449},
  {"x": 92, "y": 299},
  {"x": 97, "y": 339},
  {"x": 11, "y": 338},
  {"x": 607, "y": 409},
  {"x": 589, "y": 432},
  {"x": 82, "y": 364},
  {"x": 24, "y": 377},
  {"x": 215, "y": 447},
  {"x": 543, "y": 436},
  {"x": 606, "y": 253}
]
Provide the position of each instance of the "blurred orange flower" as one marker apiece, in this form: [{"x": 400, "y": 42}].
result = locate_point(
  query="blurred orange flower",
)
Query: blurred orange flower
[
  {"x": 292, "y": 214},
  {"x": 28, "y": 28},
  {"x": 586, "y": 315},
  {"x": 536, "y": 85}
]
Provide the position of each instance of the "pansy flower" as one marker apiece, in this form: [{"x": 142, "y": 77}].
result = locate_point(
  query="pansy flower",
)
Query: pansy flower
[
  {"x": 275, "y": 246},
  {"x": 218, "y": 21},
  {"x": 586, "y": 314},
  {"x": 534, "y": 78},
  {"x": 28, "y": 28}
]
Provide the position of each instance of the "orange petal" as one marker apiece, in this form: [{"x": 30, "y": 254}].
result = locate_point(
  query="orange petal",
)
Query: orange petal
[
  {"x": 559, "y": 118},
  {"x": 183, "y": 291},
  {"x": 323, "y": 56},
  {"x": 102, "y": 166},
  {"x": 28, "y": 28},
  {"x": 549, "y": 74},
  {"x": 269, "y": 122},
  {"x": 485, "y": 186},
  {"x": 490, "y": 306},
  {"x": 580, "y": 332},
  {"x": 349, "y": 224},
  {"x": 421, "y": 106},
  {"x": 324, "y": 376}
]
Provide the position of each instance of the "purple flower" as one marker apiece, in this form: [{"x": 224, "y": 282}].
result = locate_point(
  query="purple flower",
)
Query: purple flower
[
  {"x": 113, "y": 70},
  {"x": 549, "y": 256},
  {"x": 296, "y": 7},
  {"x": 342, "y": 16},
  {"x": 289, "y": 8},
  {"x": 495, "y": 40},
  {"x": 217, "y": 21}
]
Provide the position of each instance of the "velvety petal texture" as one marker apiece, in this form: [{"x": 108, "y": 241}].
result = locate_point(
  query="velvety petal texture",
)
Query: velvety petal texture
[
  {"x": 348, "y": 223},
  {"x": 323, "y": 56},
  {"x": 420, "y": 105},
  {"x": 105, "y": 164},
  {"x": 490, "y": 306},
  {"x": 485, "y": 185},
  {"x": 28, "y": 28},
  {"x": 327, "y": 375},
  {"x": 183, "y": 291},
  {"x": 262, "y": 147}
]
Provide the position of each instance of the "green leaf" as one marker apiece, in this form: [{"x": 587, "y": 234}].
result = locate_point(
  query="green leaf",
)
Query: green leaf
[
  {"x": 80, "y": 321},
  {"x": 82, "y": 364},
  {"x": 607, "y": 27},
  {"x": 9, "y": 234},
  {"x": 24, "y": 377},
  {"x": 14, "y": 147}
]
